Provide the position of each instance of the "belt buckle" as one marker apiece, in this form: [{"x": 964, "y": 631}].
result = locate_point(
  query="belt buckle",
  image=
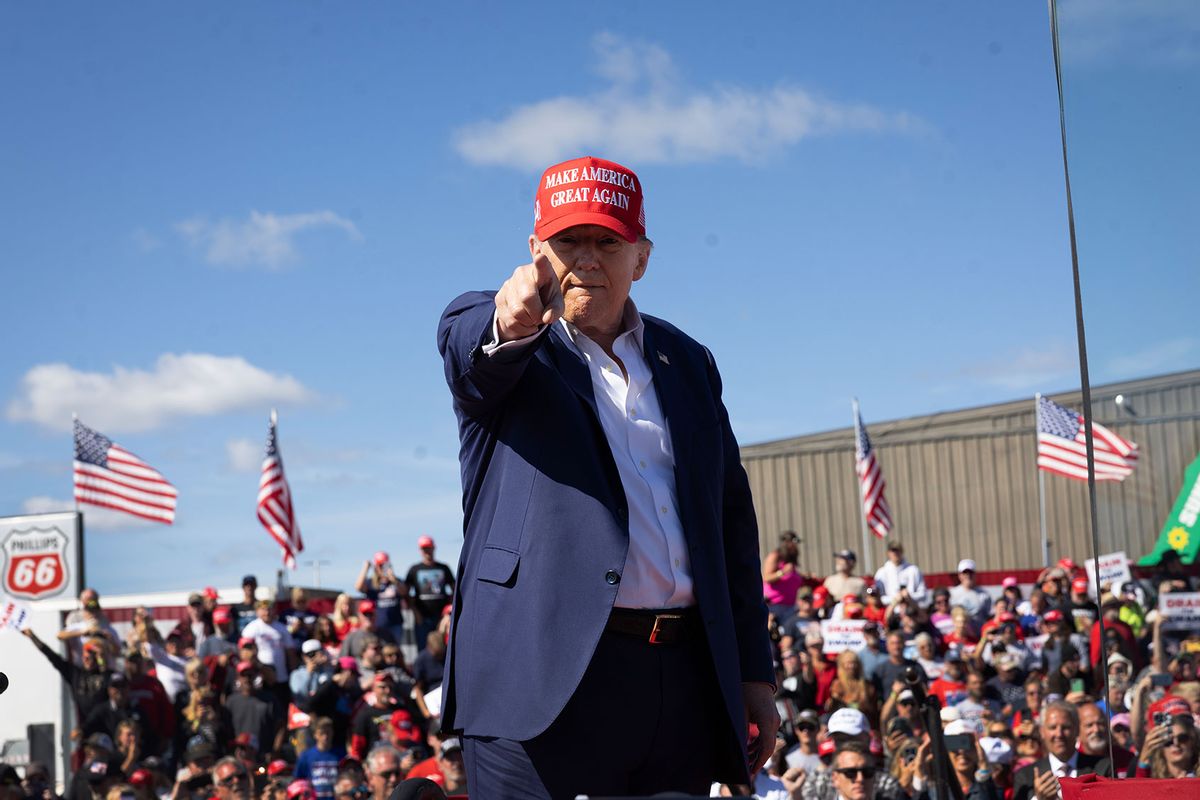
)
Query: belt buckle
[{"x": 657, "y": 629}]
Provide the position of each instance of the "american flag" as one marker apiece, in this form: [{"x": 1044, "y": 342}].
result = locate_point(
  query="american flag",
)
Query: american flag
[
  {"x": 108, "y": 475},
  {"x": 871, "y": 482},
  {"x": 1062, "y": 445},
  {"x": 275, "y": 510}
]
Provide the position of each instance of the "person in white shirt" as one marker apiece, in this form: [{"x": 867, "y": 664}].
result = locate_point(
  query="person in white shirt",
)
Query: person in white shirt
[
  {"x": 276, "y": 647},
  {"x": 899, "y": 579}
]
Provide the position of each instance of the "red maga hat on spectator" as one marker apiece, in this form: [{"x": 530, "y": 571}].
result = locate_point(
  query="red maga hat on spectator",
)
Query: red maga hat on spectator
[
  {"x": 826, "y": 748},
  {"x": 589, "y": 191},
  {"x": 850, "y": 598},
  {"x": 1068, "y": 564},
  {"x": 244, "y": 666},
  {"x": 1009, "y": 582},
  {"x": 820, "y": 593},
  {"x": 301, "y": 789},
  {"x": 141, "y": 777},
  {"x": 425, "y": 541},
  {"x": 221, "y": 615},
  {"x": 381, "y": 558},
  {"x": 246, "y": 641},
  {"x": 210, "y": 593},
  {"x": 1079, "y": 585},
  {"x": 246, "y": 740},
  {"x": 366, "y": 606},
  {"x": 1053, "y": 615},
  {"x": 278, "y": 767},
  {"x": 348, "y": 662},
  {"x": 403, "y": 726},
  {"x": 382, "y": 677}
]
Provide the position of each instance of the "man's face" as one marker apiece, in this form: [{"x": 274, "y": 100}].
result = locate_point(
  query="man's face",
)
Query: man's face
[
  {"x": 451, "y": 766},
  {"x": 955, "y": 670},
  {"x": 264, "y": 613},
  {"x": 850, "y": 771},
  {"x": 967, "y": 578},
  {"x": 895, "y": 556},
  {"x": 1093, "y": 729},
  {"x": 843, "y": 565},
  {"x": 232, "y": 782},
  {"x": 596, "y": 268},
  {"x": 1070, "y": 667},
  {"x": 427, "y": 552},
  {"x": 299, "y": 600},
  {"x": 323, "y": 738},
  {"x": 384, "y": 775},
  {"x": 895, "y": 645},
  {"x": 383, "y": 692},
  {"x": 248, "y": 590},
  {"x": 1033, "y": 697},
  {"x": 1059, "y": 733}
]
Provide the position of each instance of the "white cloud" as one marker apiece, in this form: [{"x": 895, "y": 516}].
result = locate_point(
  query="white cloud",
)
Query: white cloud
[
  {"x": 1170, "y": 355},
  {"x": 190, "y": 384},
  {"x": 1159, "y": 32},
  {"x": 245, "y": 455},
  {"x": 649, "y": 116},
  {"x": 1030, "y": 369},
  {"x": 94, "y": 517},
  {"x": 266, "y": 240}
]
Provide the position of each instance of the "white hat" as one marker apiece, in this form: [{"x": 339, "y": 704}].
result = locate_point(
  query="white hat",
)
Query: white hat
[
  {"x": 906, "y": 694},
  {"x": 309, "y": 647},
  {"x": 957, "y": 727},
  {"x": 997, "y": 750},
  {"x": 949, "y": 714},
  {"x": 849, "y": 721},
  {"x": 966, "y": 564}
]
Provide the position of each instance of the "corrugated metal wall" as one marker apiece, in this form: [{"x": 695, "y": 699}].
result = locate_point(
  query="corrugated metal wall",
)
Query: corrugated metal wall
[{"x": 965, "y": 483}]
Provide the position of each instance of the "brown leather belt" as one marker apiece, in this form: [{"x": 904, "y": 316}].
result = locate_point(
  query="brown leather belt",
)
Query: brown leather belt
[{"x": 656, "y": 626}]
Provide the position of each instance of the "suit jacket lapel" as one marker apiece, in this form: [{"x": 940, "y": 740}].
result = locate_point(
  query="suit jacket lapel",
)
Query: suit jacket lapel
[
  {"x": 571, "y": 366},
  {"x": 667, "y": 367}
]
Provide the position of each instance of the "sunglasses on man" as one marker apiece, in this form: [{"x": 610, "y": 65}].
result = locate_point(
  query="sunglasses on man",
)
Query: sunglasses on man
[{"x": 852, "y": 773}]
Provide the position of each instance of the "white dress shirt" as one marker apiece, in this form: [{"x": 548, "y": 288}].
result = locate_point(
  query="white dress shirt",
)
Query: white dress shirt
[
  {"x": 893, "y": 577},
  {"x": 1063, "y": 769},
  {"x": 657, "y": 570}
]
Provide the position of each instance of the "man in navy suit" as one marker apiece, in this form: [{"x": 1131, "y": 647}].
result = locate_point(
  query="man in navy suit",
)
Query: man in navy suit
[{"x": 609, "y": 634}]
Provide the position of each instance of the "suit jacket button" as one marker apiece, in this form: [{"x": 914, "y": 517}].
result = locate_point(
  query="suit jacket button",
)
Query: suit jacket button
[{"x": 612, "y": 577}]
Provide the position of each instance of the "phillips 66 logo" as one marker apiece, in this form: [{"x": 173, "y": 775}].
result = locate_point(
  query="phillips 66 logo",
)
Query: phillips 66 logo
[{"x": 35, "y": 564}]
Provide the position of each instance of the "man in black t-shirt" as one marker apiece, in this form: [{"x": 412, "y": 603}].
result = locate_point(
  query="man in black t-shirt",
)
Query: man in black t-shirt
[{"x": 430, "y": 586}]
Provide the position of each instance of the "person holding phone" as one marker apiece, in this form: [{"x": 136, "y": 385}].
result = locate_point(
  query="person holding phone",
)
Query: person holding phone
[
  {"x": 1171, "y": 750},
  {"x": 968, "y": 765}
]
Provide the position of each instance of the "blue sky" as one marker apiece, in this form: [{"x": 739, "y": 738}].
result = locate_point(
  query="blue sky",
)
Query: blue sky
[{"x": 213, "y": 209}]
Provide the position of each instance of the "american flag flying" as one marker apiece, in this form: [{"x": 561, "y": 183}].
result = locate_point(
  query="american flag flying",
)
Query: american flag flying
[
  {"x": 108, "y": 475},
  {"x": 870, "y": 479},
  {"x": 1062, "y": 445},
  {"x": 275, "y": 509}
]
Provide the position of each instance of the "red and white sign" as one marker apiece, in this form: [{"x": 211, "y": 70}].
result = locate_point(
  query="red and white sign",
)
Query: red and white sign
[
  {"x": 1114, "y": 569},
  {"x": 14, "y": 616},
  {"x": 1180, "y": 610},
  {"x": 35, "y": 563},
  {"x": 843, "y": 634}
]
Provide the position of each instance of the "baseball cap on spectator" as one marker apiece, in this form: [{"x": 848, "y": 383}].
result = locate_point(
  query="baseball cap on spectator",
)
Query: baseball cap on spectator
[
  {"x": 804, "y": 591},
  {"x": 100, "y": 741},
  {"x": 310, "y": 646},
  {"x": 425, "y": 541},
  {"x": 1079, "y": 585},
  {"x": 826, "y": 748},
  {"x": 279, "y": 767},
  {"x": 348, "y": 663},
  {"x": 198, "y": 751},
  {"x": 382, "y": 677},
  {"x": 1053, "y": 615},
  {"x": 905, "y": 694},
  {"x": 895, "y": 545},
  {"x": 247, "y": 641},
  {"x": 96, "y": 771},
  {"x": 1068, "y": 564},
  {"x": 210, "y": 593},
  {"x": 1006, "y": 661},
  {"x": 872, "y": 589},
  {"x": 849, "y": 721},
  {"x": 957, "y": 727},
  {"x": 997, "y": 751},
  {"x": 221, "y": 615},
  {"x": 1121, "y": 719},
  {"x": 249, "y": 580},
  {"x": 966, "y": 565},
  {"x": 450, "y": 745},
  {"x": 366, "y": 606},
  {"x": 1117, "y": 658},
  {"x": 301, "y": 789},
  {"x": 808, "y": 717},
  {"x": 92, "y": 644},
  {"x": 195, "y": 599},
  {"x": 141, "y": 777},
  {"x": 1009, "y": 582},
  {"x": 118, "y": 679},
  {"x": 403, "y": 726},
  {"x": 949, "y": 714},
  {"x": 1007, "y": 616},
  {"x": 1109, "y": 601},
  {"x": 954, "y": 653},
  {"x": 813, "y": 637},
  {"x": 819, "y": 594},
  {"x": 381, "y": 558},
  {"x": 244, "y": 666},
  {"x": 846, "y": 554}
]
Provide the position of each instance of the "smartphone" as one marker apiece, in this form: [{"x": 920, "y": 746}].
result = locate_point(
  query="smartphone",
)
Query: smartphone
[
  {"x": 959, "y": 741},
  {"x": 1161, "y": 679},
  {"x": 908, "y": 754},
  {"x": 899, "y": 724},
  {"x": 1076, "y": 684}
]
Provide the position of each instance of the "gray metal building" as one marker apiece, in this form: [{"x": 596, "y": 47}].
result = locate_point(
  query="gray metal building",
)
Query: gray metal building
[{"x": 965, "y": 483}]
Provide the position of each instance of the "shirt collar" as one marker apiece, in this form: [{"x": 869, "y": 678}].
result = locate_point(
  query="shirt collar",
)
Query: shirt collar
[
  {"x": 1055, "y": 763},
  {"x": 631, "y": 323}
]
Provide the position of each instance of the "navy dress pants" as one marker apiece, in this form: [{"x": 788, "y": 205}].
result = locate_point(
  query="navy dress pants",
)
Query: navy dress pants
[{"x": 646, "y": 718}]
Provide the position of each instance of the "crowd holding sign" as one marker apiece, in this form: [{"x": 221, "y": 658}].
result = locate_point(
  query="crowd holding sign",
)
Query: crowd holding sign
[
  {"x": 13, "y": 615},
  {"x": 1180, "y": 611},
  {"x": 842, "y": 634},
  {"x": 1114, "y": 569}
]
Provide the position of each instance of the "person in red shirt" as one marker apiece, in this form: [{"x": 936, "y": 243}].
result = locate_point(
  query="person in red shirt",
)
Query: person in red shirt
[
  {"x": 951, "y": 687},
  {"x": 816, "y": 670}
]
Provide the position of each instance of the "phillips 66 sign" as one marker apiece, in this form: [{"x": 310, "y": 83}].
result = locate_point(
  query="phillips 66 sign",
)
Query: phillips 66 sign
[{"x": 42, "y": 555}]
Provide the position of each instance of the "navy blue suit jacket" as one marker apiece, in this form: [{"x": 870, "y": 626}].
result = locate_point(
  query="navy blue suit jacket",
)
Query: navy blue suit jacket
[{"x": 546, "y": 525}]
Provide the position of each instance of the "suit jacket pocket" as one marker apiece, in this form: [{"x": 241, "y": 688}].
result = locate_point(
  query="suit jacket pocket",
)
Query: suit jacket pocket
[{"x": 499, "y": 566}]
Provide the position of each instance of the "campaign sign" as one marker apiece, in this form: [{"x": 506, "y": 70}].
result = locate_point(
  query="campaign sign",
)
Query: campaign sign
[
  {"x": 842, "y": 634},
  {"x": 1036, "y": 644},
  {"x": 41, "y": 556},
  {"x": 14, "y": 616},
  {"x": 1114, "y": 569},
  {"x": 1180, "y": 610}
]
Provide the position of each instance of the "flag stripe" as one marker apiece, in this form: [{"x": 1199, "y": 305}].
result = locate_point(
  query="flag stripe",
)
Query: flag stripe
[
  {"x": 119, "y": 503},
  {"x": 108, "y": 475},
  {"x": 1062, "y": 446},
  {"x": 117, "y": 490},
  {"x": 88, "y": 472}
]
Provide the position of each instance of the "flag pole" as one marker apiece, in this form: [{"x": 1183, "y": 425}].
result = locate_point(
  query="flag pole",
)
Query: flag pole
[
  {"x": 1037, "y": 404},
  {"x": 868, "y": 563}
]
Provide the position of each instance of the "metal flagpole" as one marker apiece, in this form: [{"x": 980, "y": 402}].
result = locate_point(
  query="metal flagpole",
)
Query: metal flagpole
[
  {"x": 867, "y": 562},
  {"x": 1037, "y": 404}
]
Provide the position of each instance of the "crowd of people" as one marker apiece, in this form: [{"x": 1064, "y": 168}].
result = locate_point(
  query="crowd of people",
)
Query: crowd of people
[
  {"x": 294, "y": 698},
  {"x": 308, "y": 700},
  {"x": 1029, "y": 685}
]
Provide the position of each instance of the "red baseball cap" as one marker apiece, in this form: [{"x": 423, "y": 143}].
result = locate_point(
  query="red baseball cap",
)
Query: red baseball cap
[
  {"x": 246, "y": 640},
  {"x": 244, "y": 666},
  {"x": 1080, "y": 585},
  {"x": 366, "y": 606},
  {"x": 589, "y": 191},
  {"x": 278, "y": 767},
  {"x": 425, "y": 541},
  {"x": 221, "y": 615},
  {"x": 1053, "y": 615},
  {"x": 381, "y": 558},
  {"x": 210, "y": 593},
  {"x": 1067, "y": 564},
  {"x": 301, "y": 788},
  {"x": 826, "y": 748},
  {"x": 403, "y": 727}
]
